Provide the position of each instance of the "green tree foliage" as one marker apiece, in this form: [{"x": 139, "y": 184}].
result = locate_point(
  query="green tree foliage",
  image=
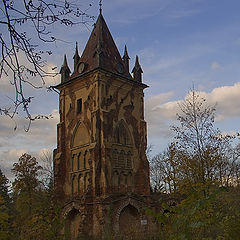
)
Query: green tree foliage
[
  {"x": 4, "y": 187},
  {"x": 202, "y": 147},
  {"x": 26, "y": 185},
  {"x": 164, "y": 170},
  {"x": 198, "y": 217},
  {"x": 202, "y": 167},
  {"x": 4, "y": 208},
  {"x": 4, "y": 220},
  {"x": 37, "y": 215},
  {"x": 199, "y": 154}
]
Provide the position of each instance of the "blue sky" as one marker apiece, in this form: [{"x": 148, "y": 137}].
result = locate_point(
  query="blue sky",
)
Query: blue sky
[{"x": 180, "y": 43}]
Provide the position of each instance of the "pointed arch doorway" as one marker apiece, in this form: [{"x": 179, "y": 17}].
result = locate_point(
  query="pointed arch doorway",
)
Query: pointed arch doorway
[
  {"x": 129, "y": 220},
  {"x": 72, "y": 224}
]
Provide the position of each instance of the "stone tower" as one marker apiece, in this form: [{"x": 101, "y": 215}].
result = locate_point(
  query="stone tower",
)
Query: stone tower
[{"x": 101, "y": 172}]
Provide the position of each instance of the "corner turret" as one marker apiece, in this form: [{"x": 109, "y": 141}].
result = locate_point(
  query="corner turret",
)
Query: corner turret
[
  {"x": 76, "y": 58},
  {"x": 65, "y": 71},
  {"x": 137, "y": 71},
  {"x": 126, "y": 59}
]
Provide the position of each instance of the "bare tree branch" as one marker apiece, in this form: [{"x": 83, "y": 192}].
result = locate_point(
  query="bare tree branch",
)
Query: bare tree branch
[{"x": 22, "y": 61}]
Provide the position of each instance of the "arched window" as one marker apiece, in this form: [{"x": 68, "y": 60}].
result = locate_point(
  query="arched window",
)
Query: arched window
[
  {"x": 129, "y": 160},
  {"x": 129, "y": 180},
  {"x": 115, "y": 158},
  {"x": 115, "y": 179},
  {"x": 121, "y": 134},
  {"x": 86, "y": 182},
  {"x": 78, "y": 160},
  {"x": 117, "y": 135},
  {"x": 73, "y": 162},
  {"x": 86, "y": 160},
  {"x": 121, "y": 159},
  {"x": 122, "y": 179},
  {"x": 74, "y": 184},
  {"x": 79, "y": 183}
]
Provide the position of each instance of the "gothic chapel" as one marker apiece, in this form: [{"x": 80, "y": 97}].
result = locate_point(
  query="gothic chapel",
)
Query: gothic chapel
[{"x": 101, "y": 173}]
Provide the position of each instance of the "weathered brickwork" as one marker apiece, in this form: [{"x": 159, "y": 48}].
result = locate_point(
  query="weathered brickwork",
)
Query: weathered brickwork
[{"x": 100, "y": 165}]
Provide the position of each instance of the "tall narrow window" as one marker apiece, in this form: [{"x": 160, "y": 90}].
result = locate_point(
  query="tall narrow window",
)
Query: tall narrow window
[{"x": 79, "y": 106}]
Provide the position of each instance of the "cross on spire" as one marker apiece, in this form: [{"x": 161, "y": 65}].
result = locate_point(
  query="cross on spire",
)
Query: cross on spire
[{"x": 100, "y": 6}]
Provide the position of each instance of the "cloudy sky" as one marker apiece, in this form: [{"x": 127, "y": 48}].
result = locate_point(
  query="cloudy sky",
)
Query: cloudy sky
[{"x": 180, "y": 43}]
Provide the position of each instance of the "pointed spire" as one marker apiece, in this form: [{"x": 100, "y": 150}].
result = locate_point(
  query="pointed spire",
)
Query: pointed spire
[
  {"x": 137, "y": 71},
  {"x": 101, "y": 51},
  {"x": 65, "y": 71},
  {"x": 76, "y": 58},
  {"x": 126, "y": 58},
  {"x": 65, "y": 61}
]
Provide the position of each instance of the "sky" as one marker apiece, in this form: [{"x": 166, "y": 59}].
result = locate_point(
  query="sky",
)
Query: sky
[{"x": 181, "y": 44}]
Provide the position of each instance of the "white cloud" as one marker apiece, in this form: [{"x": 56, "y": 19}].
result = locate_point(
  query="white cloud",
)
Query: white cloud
[
  {"x": 160, "y": 112},
  {"x": 12, "y": 155},
  {"x": 41, "y": 136},
  {"x": 155, "y": 101},
  {"x": 38, "y": 128},
  {"x": 8, "y": 158},
  {"x": 42, "y": 131},
  {"x": 227, "y": 99},
  {"x": 53, "y": 78}
]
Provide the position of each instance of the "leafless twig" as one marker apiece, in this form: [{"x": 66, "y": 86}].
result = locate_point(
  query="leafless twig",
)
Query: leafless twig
[{"x": 22, "y": 62}]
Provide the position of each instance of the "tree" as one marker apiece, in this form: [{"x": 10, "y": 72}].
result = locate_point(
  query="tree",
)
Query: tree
[
  {"x": 202, "y": 167},
  {"x": 22, "y": 60},
  {"x": 164, "y": 170},
  {"x": 38, "y": 215},
  {"x": 5, "y": 232},
  {"x": 26, "y": 185},
  {"x": 4, "y": 192},
  {"x": 4, "y": 220},
  {"x": 199, "y": 217},
  {"x": 25, "y": 189},
  {"x": 203, "y": 148},
  {"x": 47, "y": 168},
  {"x": 199, "y": 155},
  {"x": 26, "y": 172}
]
